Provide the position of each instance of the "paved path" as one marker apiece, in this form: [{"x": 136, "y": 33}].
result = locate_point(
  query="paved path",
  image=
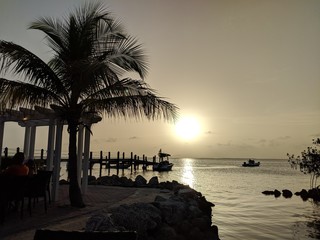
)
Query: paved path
[{"x": 61, "y": 216}]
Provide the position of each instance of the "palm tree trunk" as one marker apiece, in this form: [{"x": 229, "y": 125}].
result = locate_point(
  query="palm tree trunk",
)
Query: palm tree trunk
[{"x": 75, "y": 194}]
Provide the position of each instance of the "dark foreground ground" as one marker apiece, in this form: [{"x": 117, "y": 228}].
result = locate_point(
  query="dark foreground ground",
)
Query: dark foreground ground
[{"x": 61, "y": 216}]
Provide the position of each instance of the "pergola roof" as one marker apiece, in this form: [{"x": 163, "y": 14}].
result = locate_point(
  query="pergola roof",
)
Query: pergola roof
[{"x": 39, "y": 116}]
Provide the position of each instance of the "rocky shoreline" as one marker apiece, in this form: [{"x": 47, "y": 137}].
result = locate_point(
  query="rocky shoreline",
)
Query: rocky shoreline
[
  {"x": 184, "y": 215},
  {"x": 313, "y": 194}
]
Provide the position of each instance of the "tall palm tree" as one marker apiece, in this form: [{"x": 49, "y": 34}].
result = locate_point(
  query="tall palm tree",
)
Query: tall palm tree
[{"x": 91, "y": 55}]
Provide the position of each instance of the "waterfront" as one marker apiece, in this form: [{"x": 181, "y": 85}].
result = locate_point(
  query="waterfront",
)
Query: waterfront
[{"x": 242, "y": 211}]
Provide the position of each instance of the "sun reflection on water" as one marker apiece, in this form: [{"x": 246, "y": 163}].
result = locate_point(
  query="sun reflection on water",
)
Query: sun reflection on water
[{"x": 187, "y": 172}]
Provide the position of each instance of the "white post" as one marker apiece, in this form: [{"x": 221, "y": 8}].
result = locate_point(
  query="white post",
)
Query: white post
[
  {"x": 26, "y": 141},
  {"x": 80, "y": 151},
  {"x": 57, "y": 159},
  {"x": 1, "y": 138},
  {"x": 32, "y": 142},
  {"x": 85, "y": 165},
  {"x": 50, "y": 147}
]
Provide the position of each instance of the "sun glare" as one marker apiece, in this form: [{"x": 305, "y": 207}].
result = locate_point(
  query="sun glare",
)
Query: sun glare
[{"x": 187, "y": 128}]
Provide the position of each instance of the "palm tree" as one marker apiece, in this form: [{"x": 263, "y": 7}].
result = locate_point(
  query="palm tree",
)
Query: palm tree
[{"x": 91, "y": 55}]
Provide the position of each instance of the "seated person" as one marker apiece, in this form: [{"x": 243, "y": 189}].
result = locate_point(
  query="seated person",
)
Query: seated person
[
  {"x": 18, "y": 168},
  {"x": 32, "y": 167}
]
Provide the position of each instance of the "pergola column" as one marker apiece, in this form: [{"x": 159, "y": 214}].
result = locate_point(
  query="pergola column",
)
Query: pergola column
[
  {"x": 26, "y": 141},
  {"x": 32, "y": 142},
  {"x": 56, "y": 163},
  {"x": 50, "y": 147},
  {"x": 85, "y": 165},
  {"x": 1, "y": 138},
  {"x": 80, "y": 151}
]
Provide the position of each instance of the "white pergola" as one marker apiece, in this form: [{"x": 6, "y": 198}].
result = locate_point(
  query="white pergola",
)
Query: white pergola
[{"x": 31, "y": 119}]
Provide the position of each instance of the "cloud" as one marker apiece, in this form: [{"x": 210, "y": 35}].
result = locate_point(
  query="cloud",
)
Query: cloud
[
  {"x": 315, "y": 135},
  {"x": 110, "y": 140},
  {"x": 209, "y": 132}
]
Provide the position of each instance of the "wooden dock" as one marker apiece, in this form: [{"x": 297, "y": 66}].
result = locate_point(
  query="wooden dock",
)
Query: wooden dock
[
  {"x": 108, "y": 162},
  {"x": 119, "y": 163}
]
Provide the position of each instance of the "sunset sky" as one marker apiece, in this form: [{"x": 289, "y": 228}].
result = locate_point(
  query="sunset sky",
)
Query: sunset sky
[{"x": 246, "y": 72}]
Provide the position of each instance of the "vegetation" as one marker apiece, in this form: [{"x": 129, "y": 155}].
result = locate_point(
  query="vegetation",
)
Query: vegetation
[
  {"x": 91, "y": 56},
  {"x": 308, "y": 162}
]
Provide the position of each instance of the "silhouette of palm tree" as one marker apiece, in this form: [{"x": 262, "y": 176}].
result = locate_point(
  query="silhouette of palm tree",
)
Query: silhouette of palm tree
[{"x": 91, "y": 54}]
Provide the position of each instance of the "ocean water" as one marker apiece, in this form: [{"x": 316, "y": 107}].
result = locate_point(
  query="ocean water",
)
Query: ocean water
[{"x": 241, "y": 211}]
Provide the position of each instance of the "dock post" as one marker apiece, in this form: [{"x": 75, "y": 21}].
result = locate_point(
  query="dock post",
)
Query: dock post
[
  {"x": 123, "y": 162},
  {"x": 91, "y": 164},
  {"x": 100, "y": 161},
  {"x": 109, "y": 157},
  {"x": 144, "y": 165},
  {"x": 41, "y": 154},
  {"x": 118, "y": 159},
  {"x": 135, "y": 162},
  {"x": 131, "y": 162},
  {"x": 6, "y": 152}
]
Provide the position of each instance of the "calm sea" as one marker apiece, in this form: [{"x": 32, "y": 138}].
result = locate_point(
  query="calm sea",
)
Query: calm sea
[{"x": 242, "y": 211}]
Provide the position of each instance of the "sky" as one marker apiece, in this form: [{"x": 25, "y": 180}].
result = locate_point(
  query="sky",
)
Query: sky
[{"x": 246, "y": 72}]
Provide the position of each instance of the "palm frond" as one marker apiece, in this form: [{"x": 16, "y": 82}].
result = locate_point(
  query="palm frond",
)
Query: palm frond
[
  {"x": 22, "y": 62},
  {"x": 147, "y": 106},
  {"x": 14, "y": 93},
  {"x": 131, "y": 98},
  {"x": 130, "y": 56}
]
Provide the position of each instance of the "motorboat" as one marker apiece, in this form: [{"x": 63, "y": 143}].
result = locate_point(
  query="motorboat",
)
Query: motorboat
[
  {"x": 251, "y": 163},
  {"x": 163, "y": 164}
]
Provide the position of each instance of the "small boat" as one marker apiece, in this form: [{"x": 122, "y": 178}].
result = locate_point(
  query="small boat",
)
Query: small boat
[
  {"x": 251, "y": 163},
  {"x": 162, "y": 165}
]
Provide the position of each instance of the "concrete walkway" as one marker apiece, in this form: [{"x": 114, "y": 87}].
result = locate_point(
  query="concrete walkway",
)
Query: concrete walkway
[{"x": 61, "y": 216}]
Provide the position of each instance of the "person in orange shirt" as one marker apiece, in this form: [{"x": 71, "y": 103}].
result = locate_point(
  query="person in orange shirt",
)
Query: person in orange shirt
[{"x": 18, "y": 168}]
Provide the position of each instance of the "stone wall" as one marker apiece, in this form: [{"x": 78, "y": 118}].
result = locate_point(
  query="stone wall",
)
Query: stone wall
[{"x": 185, "y": 215}]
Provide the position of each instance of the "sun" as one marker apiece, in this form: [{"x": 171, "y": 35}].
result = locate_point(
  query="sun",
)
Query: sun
[{"x": 187, "y": 128}]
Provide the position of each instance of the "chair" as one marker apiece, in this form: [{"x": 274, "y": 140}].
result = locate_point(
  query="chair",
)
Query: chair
[
  {"x": 38, "y": 186},
  {"x": 12, "y": 192},
  {"x": 43, "y": 234},
  {"x": 47, "y": 175}
]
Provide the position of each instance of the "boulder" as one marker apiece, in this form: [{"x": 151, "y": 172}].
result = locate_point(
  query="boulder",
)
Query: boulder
[
  {"x": 63, "y": 182},
  {"x": 140, "y": 181},
  {"x": 92, "y": 180},
  {"x": 153, "y": 182},
  {"x": 286, "y": 193},
  {"x": 268, "y": 192},
  {"x": 126, "y": 182},
  {"x": 184, "y": 215},
  {"x": 277, "y": 193}
]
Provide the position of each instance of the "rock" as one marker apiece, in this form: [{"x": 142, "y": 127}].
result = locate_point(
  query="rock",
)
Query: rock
[
  {"x": 113, "y": 180},
  {"x": 172, "y": 211},
  {"x": 268, "y": 192},
  {"x": 92, "y": 180},
  {"x": 201, "y": 223},
  {"x": 314, "y": 193},
  {"x": 153, "y": 182},
  {"x": 101, "y": 222},
  {"x": 126, "y": 182},
  {"x": 195, "y": 233},
  {"x": 188, "y": 193},
  {"x": 286, "y": 193},
  {"x": 159, "y": 199},
  {"x": 63, "y": 182},
  {"x": 304, "y": 194},
  {"x": 140, "y": 217},
  {"x": 166, "y": 232},
  {"x": 140, "y": 181},
  {"x": 184, "y": 215},
  {"x": 277, "y": 193}
]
